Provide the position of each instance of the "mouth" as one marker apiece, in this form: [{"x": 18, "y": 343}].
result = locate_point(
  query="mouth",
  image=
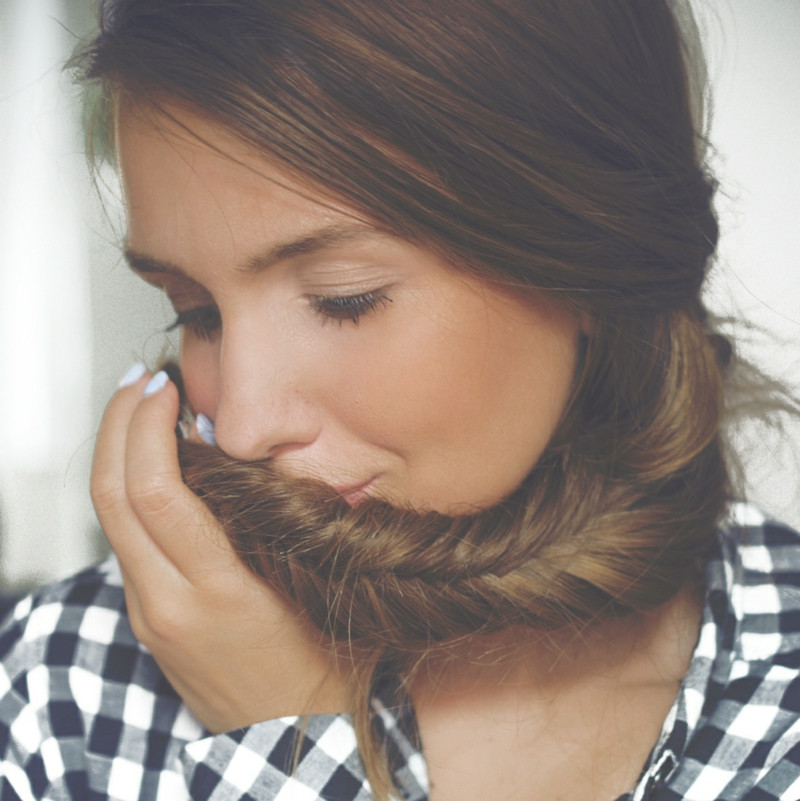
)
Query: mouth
[{"x": 355, "y": 493}]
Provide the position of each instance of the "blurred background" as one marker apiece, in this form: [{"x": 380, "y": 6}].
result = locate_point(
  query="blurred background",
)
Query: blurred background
[
  {"x": 73, "y": 318},
  {"x": 72, "y": 315}
]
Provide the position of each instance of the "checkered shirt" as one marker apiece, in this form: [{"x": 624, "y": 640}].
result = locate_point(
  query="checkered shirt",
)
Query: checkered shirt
[{"x": 86, "y": 715}]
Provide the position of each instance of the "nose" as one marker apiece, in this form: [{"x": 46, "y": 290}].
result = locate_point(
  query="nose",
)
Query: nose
[{"x": 264, "y": 406}]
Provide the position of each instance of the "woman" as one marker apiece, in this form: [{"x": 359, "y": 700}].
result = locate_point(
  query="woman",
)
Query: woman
[{"x": 464, "y": 525}]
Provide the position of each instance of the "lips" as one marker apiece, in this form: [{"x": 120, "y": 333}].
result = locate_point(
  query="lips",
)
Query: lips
[{"x": 354, "y": 493}]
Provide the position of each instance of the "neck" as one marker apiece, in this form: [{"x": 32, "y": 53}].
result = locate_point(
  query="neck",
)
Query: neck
[
  {"x": 573, "y": 715},
  {"x": 652, "y": 647}
]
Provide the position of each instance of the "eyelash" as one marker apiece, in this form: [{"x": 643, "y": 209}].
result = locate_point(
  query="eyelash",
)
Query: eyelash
[
  {"x": 348, "y": 307},
  {"x": 204, "y": 321}
]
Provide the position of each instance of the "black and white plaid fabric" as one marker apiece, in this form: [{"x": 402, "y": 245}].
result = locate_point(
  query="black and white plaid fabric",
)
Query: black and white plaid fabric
[{"x": 86, "y": 715}]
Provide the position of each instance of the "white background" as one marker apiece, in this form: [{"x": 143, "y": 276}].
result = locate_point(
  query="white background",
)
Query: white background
[{"x": 72, "y": 318}]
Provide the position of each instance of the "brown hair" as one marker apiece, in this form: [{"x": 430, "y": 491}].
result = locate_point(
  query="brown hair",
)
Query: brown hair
[{"x": 544, "y": 144}]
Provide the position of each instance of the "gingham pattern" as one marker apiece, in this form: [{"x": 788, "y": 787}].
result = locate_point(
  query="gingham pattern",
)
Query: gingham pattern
[
  {"x": 86, "y": 715},
  {"x": 734, "y": 730}
]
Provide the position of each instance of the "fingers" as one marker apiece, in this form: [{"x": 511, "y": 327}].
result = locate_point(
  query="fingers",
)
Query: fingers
[
  {"x": 152, "y": 474},
  {"x": 136, "y": 549},
  {"x": 178, "y": 521},
  {"x": 220, "y": 634},
  {"x": 157, "y": 527},
  {"x": 108, "y": 491}
]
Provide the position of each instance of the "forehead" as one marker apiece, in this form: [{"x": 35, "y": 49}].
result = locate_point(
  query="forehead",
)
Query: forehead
[
  {"x": 171, "y": 138},
  {"x": 197, "y": 194},
  {"x": 190, "y": 183}
]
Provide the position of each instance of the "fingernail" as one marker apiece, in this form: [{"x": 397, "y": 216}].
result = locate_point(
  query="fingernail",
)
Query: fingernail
[
  {"x": 205, "y": 429},
  {"x": 157, "y": 382},
  {"x": 133, "y": 375}
]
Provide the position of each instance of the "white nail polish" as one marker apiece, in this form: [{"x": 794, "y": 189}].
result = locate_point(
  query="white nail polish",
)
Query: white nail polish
[
  {"x": 205, "y": 429},
  {"x": 133, "y": 375},
  {"x": 157, "y": 382}
]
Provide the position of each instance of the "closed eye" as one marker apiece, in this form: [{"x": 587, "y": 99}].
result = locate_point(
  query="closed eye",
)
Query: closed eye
[
  {"x": 348, "y": 307},
  {"x": 202, "y": 321}
]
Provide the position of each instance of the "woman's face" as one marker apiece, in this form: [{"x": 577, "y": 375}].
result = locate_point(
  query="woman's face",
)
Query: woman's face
[{"x": 314, "y": 338}]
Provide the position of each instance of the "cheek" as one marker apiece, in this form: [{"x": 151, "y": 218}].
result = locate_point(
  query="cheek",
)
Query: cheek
[
  {"x": 395, "y": 384},
  {"x": 201, "y": 378},
  {"x": 469, "y": 408},
  {"x": 418, "y": 390}
]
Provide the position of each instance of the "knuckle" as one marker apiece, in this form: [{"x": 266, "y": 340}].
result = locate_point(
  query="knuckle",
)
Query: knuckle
[
  {"x": 106, "y": 494},
  {"x": 151, "y": 494},
  {"x": 159, "y": 623},
  {"x": 137, "y": 624}
]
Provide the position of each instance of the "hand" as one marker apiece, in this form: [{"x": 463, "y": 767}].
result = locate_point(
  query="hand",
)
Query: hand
[{"x": 230, "y": 646}]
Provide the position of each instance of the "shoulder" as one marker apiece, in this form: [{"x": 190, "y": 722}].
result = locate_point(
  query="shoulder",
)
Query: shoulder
[
  {"x": 51, "y": 623},
  {"x": 73, "y": 639},
  {"x": 754, "y": 587},
  {"x": 741, "y": 699},
  {"x": 74, "y": 636},
  {"x": 86, "y": 713},
  {"x": 80, "y": 697},
  {"x": 764, "y": 545}
]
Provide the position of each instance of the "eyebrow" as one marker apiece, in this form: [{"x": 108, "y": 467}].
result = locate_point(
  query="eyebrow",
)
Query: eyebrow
[{"x": 326, "y": 238}]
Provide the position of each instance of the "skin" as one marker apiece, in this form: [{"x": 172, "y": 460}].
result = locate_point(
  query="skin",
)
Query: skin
[
  {"x": 560, "y": 717},
  {"x": 442, "y": 396},
  {"x": 219, "y": 635}
]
